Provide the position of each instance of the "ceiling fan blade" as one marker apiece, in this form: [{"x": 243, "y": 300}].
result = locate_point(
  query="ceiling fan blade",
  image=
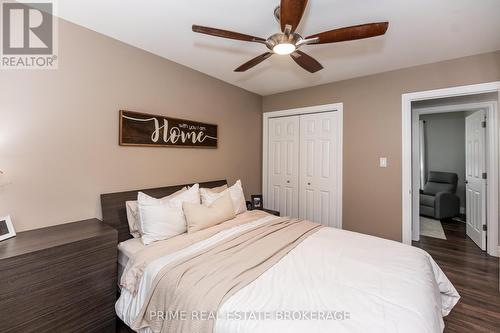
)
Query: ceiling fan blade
[
  {"x": 306, "y": 61},
  {"x": 351, "y": 33},
  {"x": 255, "y": 61},
  {"x": 227, "y": 34},
  {"x": 291, "y": 12}
]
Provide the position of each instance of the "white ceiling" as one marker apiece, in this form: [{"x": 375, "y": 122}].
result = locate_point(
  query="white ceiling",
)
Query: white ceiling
[{"x": 420, "y": 31}]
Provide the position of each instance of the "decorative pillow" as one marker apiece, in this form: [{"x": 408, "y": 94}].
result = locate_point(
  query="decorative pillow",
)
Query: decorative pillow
[
  {"x": 133, "y": 213},
  {"x": 199, "y": 217},
  {"x": 162, "y": 219},
  {"x": 236, "y": 193}
]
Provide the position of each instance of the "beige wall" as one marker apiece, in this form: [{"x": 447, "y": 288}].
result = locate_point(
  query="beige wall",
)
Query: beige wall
[
  {"x": 59, "y": 129},
  {"x": 372, "y": 128}
]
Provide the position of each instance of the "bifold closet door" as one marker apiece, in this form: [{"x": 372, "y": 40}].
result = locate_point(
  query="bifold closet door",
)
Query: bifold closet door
[
  {"x": 283, "y": 166},
  {"x": 318, "y": 165}
]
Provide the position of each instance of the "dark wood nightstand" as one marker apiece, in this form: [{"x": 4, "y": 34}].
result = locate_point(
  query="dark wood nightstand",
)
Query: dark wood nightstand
[
  {"x": 59, "y": 279},
  {"x": 270, "y": 211}
]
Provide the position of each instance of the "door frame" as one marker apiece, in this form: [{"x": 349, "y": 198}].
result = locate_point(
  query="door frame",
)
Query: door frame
[
  {"x": 492, "y": 163},
  {"x": 336, "y": 107}
]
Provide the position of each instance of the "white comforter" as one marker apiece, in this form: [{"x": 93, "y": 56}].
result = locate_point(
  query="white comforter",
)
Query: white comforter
[{"x": 354, "y": 282}]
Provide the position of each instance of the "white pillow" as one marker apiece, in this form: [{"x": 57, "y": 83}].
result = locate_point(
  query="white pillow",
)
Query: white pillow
[
  {"x": 133, "y": 213},
  {"x": 200, "y": 217},
  {"x": 236, "y": 193},
  {"x": 163, "y": 218}
]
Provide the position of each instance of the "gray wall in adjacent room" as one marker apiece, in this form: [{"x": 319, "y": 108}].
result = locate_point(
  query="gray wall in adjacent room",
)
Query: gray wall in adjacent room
[{"x": 445, "y": 137}]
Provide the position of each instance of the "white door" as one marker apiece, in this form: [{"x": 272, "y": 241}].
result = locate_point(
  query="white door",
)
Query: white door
[
  {"x": 318, "y": 181},
  {"x": 283, "y": 169},
  {"x": 475, "y": 170}
]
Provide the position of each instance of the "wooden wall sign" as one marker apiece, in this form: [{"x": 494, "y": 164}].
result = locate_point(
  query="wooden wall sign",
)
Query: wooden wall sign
[{"x": 142, "y": 129}]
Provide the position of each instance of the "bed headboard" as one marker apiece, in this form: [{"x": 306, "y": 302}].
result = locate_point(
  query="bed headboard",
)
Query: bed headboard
[{"x": 114, "y": 212}]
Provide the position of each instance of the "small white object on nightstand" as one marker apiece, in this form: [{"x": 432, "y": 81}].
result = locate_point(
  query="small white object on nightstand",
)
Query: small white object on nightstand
[
  {"x": 6, "y": 228},
  {"x": 383, "y": 162}
]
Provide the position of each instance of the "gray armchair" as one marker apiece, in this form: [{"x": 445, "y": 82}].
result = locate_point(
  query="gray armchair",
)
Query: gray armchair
[{"x": 438, "y": 199}]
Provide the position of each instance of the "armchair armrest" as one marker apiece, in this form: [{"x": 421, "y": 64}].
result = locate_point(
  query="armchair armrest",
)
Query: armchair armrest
[{"x": 446, "y": 205}]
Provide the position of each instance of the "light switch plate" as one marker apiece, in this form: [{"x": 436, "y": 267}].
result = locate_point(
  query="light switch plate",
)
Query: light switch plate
[{"x": 383, "y": 162}]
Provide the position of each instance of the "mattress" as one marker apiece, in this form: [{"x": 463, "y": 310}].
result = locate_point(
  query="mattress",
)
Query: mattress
[{"x": 126, "y": 250}]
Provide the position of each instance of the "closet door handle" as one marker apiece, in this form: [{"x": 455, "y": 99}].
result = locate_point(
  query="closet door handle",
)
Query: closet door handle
[
  {"x": 288, "y": 182},
  {"x": 309, "y": 184}
]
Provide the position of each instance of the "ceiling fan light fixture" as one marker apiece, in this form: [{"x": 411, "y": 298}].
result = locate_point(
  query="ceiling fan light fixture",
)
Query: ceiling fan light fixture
[{"x": 284, "y": 48}]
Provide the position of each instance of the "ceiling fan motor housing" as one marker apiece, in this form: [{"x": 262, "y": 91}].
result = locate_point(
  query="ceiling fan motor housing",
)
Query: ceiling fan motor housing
[{"x": 281, "y": 38}]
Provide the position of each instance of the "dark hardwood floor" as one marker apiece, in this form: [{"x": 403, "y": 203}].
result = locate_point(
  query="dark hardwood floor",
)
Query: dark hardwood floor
[{"x": 475, "y": 275}]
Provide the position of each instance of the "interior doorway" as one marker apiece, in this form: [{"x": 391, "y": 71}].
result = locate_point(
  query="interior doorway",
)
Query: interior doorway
[
  {"x": 469, "y": 196},
  {"x": 449, "y": 163}
]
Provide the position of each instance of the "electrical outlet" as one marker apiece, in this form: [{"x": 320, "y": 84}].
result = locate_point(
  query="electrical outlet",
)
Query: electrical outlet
[{"x": 383, "y": 162}]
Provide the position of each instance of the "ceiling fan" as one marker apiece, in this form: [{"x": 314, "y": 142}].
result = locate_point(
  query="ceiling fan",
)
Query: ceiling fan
[{"x": 288, "y": 42}]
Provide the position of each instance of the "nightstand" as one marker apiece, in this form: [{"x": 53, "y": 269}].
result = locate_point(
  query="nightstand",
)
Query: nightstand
[
  {"x": 59, "y": 279},
  {"x": 270, "y": 211}
]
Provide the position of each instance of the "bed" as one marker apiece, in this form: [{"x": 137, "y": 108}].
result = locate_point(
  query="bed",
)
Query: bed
[{"x": 329, "y": 280}]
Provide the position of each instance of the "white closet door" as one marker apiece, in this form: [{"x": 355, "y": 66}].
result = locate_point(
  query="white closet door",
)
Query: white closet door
[
  {"x": 318, "y": 168},
  {"x": 283, "y": 170}
]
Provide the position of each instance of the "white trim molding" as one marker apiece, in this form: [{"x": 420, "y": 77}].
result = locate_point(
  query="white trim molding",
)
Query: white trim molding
[
  {"x": 493, "y": 155},
  {"x": 337, "y": 107}
]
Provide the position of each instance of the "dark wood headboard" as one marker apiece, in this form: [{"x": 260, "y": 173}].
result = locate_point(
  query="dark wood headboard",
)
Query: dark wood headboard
[{"x": 114, "y": 212}]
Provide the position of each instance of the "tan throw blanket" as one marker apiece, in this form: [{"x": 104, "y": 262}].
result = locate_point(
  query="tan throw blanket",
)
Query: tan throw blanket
[
  {"x": 200, "y": 283},
  {"x": 135, "y": 266}
]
